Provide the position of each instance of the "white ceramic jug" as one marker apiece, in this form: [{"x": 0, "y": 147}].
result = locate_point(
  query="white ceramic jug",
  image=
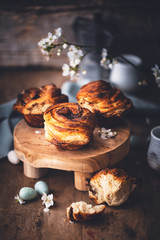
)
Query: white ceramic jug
[
  {"x": 153, "y": 155},
  {"x": 124, "y": 76}
]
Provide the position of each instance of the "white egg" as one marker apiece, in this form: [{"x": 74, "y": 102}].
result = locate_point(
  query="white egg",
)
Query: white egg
[{"x": 12, "y": 157}]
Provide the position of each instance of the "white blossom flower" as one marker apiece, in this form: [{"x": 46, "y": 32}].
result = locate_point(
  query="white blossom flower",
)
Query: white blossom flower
[
  {"x": 65, "y": 69},
  {"x": 48, "y": 43},
  {"x": 47, "y": 201},
  {"x": 73, "y": 49},
  {"x": 58, "y": 32},
  {"x": 69, "y": 71},
  {"x": 105, "y": 61},
  {"x": 104, "y": 53},
  {"x": 44, "y": 52},
  {"x": 106, "y": 133},
  {"x": 75, "y": 62},
  {"x": 84, "y": 72},
  {"x": 156, "y": 73},
  {"x": 44, "y": 198},
  {"x": 72, "y": 73},
  {"x": 65, "y": 45},
  {"x": 156, "y": 70},
  {"x": 51, "y": 38},
  {"x": 75, "y": 56},
  {"x": 19, "y": 199},
  {"x": 76, "y": 77},
  {"x": 59, "y": 52}
]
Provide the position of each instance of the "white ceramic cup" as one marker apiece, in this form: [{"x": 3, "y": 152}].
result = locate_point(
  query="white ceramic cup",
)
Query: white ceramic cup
[
  {"x": 124, "y": 76},
  {"x": 153, "y": 154}
]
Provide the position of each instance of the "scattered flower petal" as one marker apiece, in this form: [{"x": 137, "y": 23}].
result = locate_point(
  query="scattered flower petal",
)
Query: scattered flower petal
[
  {"x": 106, "y": 133},
  {"x": 19, "y": 199},
  {"x": 46, "y": 209},
  {"x": 47, "y": 201}
]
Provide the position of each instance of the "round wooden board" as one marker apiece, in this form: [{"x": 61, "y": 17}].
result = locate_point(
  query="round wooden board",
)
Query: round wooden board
[{"x": 33, "y": 149}]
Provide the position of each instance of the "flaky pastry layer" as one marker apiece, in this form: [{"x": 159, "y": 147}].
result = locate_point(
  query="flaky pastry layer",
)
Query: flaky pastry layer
[
  {"x": 69, "y": 126},
  {"x": 33, "y": 102},
  {"x": 103, "y": 100}
]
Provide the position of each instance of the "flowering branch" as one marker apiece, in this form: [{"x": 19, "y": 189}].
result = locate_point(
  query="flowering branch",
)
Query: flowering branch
[{"x": 75, "y": 54}]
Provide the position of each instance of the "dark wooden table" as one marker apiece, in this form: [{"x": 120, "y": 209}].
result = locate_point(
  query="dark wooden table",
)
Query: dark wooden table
[{"x": 138, "y": 218}]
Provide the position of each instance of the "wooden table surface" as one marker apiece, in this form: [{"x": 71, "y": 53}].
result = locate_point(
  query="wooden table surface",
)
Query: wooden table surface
[{"x": 138, "y": 218}]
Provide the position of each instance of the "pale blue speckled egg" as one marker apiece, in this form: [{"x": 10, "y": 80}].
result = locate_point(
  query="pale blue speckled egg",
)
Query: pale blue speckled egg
[
  {"x": 41, "y": 187},
  {"x": 27, "y": 193}
]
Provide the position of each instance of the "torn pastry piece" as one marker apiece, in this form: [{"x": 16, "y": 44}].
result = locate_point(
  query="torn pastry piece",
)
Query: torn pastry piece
[
  {"x": 69, "y": 126},
  {"x": 33, "y": 102},
  {"x": 81, "y": 211},
  {"x": 112, "y": 186},
  {"x": 106, "y": 102}
]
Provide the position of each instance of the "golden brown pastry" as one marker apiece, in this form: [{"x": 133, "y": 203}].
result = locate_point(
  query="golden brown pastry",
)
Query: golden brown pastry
[
  {"x": 33, "y": 102},
  {"x": 106, "y": 102},
  {"x": 81, "y": 211},
  {"x": 69, "y": 126},
  {"x": 112, "y": 186}
]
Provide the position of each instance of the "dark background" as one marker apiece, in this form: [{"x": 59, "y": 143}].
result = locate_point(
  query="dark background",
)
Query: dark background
[
  {"x": 134, "y": 26},
  {"x": 131, "y": 27}
]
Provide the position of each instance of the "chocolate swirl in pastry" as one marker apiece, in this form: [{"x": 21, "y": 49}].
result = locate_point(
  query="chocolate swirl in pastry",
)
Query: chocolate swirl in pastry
[
  {"x": 33, "y": 102},
  {"x": 69, "y": 126},
  {"x": 100, "y": 98}
]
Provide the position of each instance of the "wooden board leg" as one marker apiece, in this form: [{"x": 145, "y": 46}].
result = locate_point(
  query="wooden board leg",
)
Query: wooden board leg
[
  {"x": 80, "y": 180},
  {"x": 33, "y": 172}
]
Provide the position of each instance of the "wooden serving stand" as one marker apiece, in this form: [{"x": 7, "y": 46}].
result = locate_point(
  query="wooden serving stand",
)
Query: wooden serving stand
[{"x": 38, "y": 154}]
